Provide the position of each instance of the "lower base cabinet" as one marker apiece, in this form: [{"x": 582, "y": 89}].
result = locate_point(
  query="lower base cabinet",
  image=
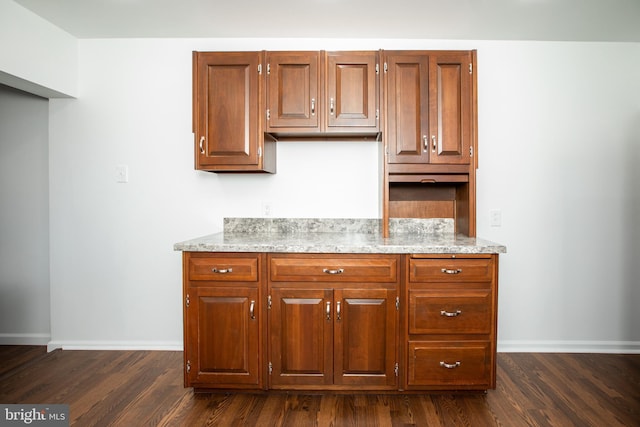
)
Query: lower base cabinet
[
  {"x": 332, "y": 338},
  {"x": 452, "y": 320},
  {"x": 342, "y": 322},
  {"x": 222, "y": 332}
]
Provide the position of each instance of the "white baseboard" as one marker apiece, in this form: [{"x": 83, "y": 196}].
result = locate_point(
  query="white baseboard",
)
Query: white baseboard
[
  {"x": 115, "y": 345},
  {"x": 504, "y": 346},
  {"x": 617, "y": 347},
  {"x": 24, "y": 339}
]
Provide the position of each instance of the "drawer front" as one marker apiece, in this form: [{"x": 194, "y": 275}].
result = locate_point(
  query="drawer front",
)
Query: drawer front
[
  {"x": 347, "y": 268},
  {"x": 224, "y": 268},
  {"x": 451, "y": 270},
  {"x": 445, "y": 312},
  {"x": 462, "y": 364}
]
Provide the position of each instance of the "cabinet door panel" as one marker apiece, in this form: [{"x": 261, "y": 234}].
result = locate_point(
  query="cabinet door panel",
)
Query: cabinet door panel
[
  {"x": 450, "y": 108},
  {"x": 227, "y": 104},
  {"x": 407, "y": 108},
  {"x": 365, "y": 337},
  {"x": 293, "y": 96},
  {"x": 223, "y": 328},
  {"x": 301, "y": 337},
  {"x": 352, "y": 91}
]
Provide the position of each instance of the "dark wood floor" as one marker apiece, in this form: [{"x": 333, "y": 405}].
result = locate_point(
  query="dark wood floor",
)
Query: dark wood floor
[{"x": 144, "y": 388}]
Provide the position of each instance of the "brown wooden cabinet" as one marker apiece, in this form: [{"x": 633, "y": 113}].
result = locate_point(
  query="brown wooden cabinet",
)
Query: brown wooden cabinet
[
  {"x": 222, "y": 320},
  {"x": 227, "y": 120},
  {"x": 333, "y": 322},
  {"x": 430, "y": 137},
  {"x": 318, "y": 92},
  {"x": 451, "y": 321},
  {"x": 429, "y": 107},
  {"x": 255, "y": 321}
]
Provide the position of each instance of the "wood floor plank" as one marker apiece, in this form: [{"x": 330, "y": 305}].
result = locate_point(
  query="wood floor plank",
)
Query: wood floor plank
[{"x": 144, "y": 388}]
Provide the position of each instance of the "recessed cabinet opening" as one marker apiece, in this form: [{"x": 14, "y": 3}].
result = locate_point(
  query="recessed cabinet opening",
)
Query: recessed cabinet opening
[{"x": 431, "y": 198}]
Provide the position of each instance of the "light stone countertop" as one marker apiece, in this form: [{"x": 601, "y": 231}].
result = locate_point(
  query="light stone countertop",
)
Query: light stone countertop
[{"x": 337, "y": 236}]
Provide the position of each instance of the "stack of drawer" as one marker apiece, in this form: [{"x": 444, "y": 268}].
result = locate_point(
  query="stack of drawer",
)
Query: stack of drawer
[{"x": 451, "y": 321}]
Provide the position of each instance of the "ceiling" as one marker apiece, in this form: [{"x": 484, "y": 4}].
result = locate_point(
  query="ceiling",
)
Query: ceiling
[{"x": 559, "y": 20}]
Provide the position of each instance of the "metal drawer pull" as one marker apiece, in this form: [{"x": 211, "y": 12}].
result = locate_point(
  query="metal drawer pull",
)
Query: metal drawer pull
[
  {"x": 450, "y": 365},
  {"x": 336, "y": 271},
  {"x": 331, "y": 106},
  {"x": 252, "y": 308},
  {"x": 433, "y": 140},
  {"x": 447, "y": 271},
  {"x": 450, "y": 314},
  {"x": 328, "y": 310},
  {"x": 222, "y": 270},
  {"x": 338, "y": 310},
  {"x": 202, "y": 145},
  {"x": 313, "y": 106}
]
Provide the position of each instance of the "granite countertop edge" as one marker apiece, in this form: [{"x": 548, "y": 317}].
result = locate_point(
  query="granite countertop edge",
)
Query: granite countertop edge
[
  {"x": 339, "y": 235},
  {"x": 312, "y": 242}
]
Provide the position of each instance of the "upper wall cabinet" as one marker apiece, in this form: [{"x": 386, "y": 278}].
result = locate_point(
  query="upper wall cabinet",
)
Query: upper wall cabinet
[
  {"x": 310, "y": 93},
  {"x": 429, "y": 101},
  {"x": 227, "y": 120}
]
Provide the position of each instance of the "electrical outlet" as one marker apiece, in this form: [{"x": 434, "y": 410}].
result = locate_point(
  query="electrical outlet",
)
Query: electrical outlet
[
  {"x": 267, "y": 209},
  {"x": 122, "y": 173},
  {"x": 495, "y": 217}
]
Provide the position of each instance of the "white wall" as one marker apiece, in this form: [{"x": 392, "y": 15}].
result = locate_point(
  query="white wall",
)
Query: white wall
[
  {"x": 36, "y": 56},
  {"x": 24, "y": 218},
  {"x": 560, "y": 144},
  {"x": 559, "y": 134}
]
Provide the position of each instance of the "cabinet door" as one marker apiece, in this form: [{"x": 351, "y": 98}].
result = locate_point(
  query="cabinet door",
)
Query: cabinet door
[
  {"x": 293, "y": 91},
  {"x": 351, "y": 100},
  {"x": 301, "y": 337},
  {"x": 365, "y": 337},
  {"x": 222, "y": 348},
  {"x": 226, "y": 110},
  {"x": 450, "y": 107},
  {"x": 407, "y": 107}
]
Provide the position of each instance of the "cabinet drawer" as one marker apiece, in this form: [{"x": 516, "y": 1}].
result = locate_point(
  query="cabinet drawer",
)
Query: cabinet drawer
[
  {"x": 463, "y": 364},
  {"x": 224, "y": 268},
  {"x": 450, "y": 269},
  {"x": 337, "y": 268},
  {"x": 445, "y": 312}
]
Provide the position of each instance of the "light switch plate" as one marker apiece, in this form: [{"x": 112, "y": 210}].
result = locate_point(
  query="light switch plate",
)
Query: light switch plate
[{"x": 495, "y": 217}]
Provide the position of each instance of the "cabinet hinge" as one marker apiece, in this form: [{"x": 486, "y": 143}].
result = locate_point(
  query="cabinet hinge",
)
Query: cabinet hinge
[
  {"x": 269, "y": 302},
  {"x": 270, "y": 368},
  {"x": 386, "y": 68},
  {"x": 188, "y": 367},
  {"x": 268, "y": 69},
  {"x": 268, "y": 114},
  {"x": 396, "y": 369},
  {"x": 397, "y": 303},
  {"x": 259, "y": 68},
  {"x": 377, "y": 68},
  {"x": 187, "y": 301},
  {"x": 470, "y": 67}
]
